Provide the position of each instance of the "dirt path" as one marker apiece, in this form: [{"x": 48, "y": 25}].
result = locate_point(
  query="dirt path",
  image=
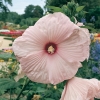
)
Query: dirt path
[{"x": 5, "y": 43}]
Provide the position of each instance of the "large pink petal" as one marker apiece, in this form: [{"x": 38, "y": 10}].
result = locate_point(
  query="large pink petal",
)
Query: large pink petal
[
  {"x": 80, "y": 89},
  {"x": 76, "y": 47},
  {"x": 32, "y": 40},
  {"x": 45, "y": 68},
  {"x": 57, "y": 26},
  {"x": 60, "y": 70},
  {"x": 34, "y": 66}
]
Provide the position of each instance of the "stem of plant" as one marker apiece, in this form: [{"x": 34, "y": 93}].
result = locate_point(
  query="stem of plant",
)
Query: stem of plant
[
  {"x": 10, "y": 93},
  {"x": 22, "y": 90}
]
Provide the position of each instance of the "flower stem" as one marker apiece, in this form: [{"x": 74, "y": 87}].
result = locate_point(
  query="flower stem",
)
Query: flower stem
[
  {"x": 27, "y": 82},
  {"x": 10, "y": 93}
]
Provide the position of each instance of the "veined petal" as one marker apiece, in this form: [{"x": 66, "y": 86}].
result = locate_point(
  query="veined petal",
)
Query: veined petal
[
  {"x": 81, "y": 89},
  {"x": 34, "y": 66},
  {"x": 43, "y": 68},
  {"x": 57, "y": 26},
  {"x": 31, "y": 41},
  {"x": 76, "y": 47},
  {"x": 60, "y": 70}
]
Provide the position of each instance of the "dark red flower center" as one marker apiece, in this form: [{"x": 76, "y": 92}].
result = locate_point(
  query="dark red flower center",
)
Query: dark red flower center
[{"x": 51, "y": 48}]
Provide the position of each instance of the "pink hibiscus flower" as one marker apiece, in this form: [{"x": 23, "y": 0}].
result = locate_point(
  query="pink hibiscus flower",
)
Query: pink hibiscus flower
[
  {"x": 81, "y": 89},
  {"x": 52, "y": 49}
]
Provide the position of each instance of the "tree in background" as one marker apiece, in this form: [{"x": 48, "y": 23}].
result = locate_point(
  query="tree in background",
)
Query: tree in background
[
  {"x": 87, "y": 3},
  {"x": 31, "y": 15},
  {"x": 90, "y": 4},
  {"x": 33, "y": 11},
  {"x": 12, "y": 17},
  {"x": 57, "y": 3},
  {"x": 4, "y": 3},
  {"x": 4, "y": 9},
  {"x": 38, "y": 11},
  {"x": 29, "y": 11}
]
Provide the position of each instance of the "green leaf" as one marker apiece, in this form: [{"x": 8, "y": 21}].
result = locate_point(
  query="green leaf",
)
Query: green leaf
[
  {"x": 6, "y": 83},
  {"x": 54, "y": 9},
  {"x": 85, "y": 12},
  {"x": 72, "y": 19},
  {"x": 60, "y": 90},
  {"x": 13, "y": 56},
  {"x": 25, "y": 92},
  {"x": 79, "y": 8},
  {"x": 10, "y": 44},
  {"x": 5, "y": 56},
  {"x": 35, "y": 19},
  {"x": 10, "y": 65},
  {"x": 9, "y": 38},
  {"x": 23, "y": 98},
  {"x": 39, "y": 89},
  {"x": 2, "y": 91},
  {"x": 48, "y": 99},
  {"x": 2, "y": 98},
  {"x": 17, "y": 90},
  {"x": 90, "y": 28}
]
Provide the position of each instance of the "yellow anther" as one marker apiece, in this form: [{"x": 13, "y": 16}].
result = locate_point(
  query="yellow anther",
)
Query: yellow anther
[{"x": 51, "y": 50}]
